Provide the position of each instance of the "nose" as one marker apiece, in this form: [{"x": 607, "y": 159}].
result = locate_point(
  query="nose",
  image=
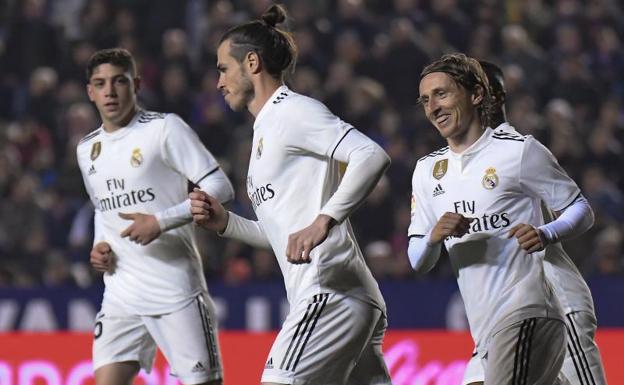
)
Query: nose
[
  {"x": 220, "y": 82},
  {"x": 110, "y": 89},
  {"x": 432, "y": 106}
]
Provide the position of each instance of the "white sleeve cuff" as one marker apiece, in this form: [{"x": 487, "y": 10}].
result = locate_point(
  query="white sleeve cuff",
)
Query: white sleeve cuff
[
  {"x": 573, "y": 221},
  {"x": 422, "y": 255},
  {"x": 175, "y": 216}
]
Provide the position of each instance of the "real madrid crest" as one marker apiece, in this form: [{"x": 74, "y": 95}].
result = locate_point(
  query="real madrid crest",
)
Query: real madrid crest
[
  {"x": 136, "y": 159},
  {"x": 259, "y": 149},
  {"x": 439, "y": 169},
  {"x": 490, "y": 180},
  {"x": 96, "y": 149}
]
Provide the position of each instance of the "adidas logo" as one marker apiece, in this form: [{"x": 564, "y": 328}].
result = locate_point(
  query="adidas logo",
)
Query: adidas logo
[
  {"x": 91, "y": 170},
  {"x": 269, "y": 364},
  {"x": 198, "y": 367},
  {"x": 438, "y": 190}
]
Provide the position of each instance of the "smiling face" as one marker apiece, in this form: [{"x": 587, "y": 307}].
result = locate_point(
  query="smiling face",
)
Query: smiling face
[
  {"x": 448, "y": 106},
  {"x": 113, "y": 91},
  {"x": 234, "y": 82}
]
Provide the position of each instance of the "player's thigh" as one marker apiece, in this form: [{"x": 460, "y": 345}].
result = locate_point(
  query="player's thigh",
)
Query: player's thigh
[
  {"x": 321, "y": 341},
  {"x": 189, "y": 341},
  {"x": 371, "y": 368},
  {"x": 528, "y": 352},
  {"x": 118, "y": 373},
  {"x": 475, "y": 372},
  {"x": 582, "y": 364},
  {"x": 121, "y": 337}
]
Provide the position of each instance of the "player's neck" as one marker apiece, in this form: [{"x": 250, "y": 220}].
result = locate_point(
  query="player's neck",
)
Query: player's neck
[
  {"x": 461, "y": 142},
  {"x": 112, "y": 126},
  {"x": 264, "y": 88}
]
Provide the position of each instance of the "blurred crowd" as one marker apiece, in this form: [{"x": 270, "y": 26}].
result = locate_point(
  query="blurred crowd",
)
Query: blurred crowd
[{"x": 563, "y": 61}]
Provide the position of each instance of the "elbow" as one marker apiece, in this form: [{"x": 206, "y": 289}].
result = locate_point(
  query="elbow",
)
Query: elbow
[{"x": 381, "y": 157}]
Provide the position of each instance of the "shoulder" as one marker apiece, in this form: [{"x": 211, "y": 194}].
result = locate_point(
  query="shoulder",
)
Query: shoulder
[
  {"x": 293, "y": 105},
  {"x": 90, "y": 138},
  {"x": 425, "y": 166},
  {"x": 507, "y": 133},
  {"x": 146, "y": 117},
  {"x": 433, "y": 156}
]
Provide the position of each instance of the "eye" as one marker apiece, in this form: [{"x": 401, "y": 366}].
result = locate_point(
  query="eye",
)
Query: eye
[{"x": 441, "y": 94}]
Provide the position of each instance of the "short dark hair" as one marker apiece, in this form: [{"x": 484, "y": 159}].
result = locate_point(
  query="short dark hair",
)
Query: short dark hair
[
  {"x": 276, "y": 47},
  {"x": 118, "y": 57},
  {"x": 495, "y": 77},
  {"x": 467, "y": 73}
]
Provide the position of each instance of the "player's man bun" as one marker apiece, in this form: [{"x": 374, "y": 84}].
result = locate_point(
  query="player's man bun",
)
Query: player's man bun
[
  {"x": 274, "y": 15},
  {"x": 275, "y": 46}
]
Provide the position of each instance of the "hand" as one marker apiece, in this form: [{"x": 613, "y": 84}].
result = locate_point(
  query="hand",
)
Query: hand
[
  {"x": 302, "y": 242},
  {"x": 208, "y": 211},
  {"x": 102, "y": 258},
  {"x": 450, "y": 224},
  {"x": 143, "y": 230},
  {"x": 529, "y": 238}
]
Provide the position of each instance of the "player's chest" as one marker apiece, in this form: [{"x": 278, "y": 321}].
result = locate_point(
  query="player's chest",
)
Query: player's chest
[
  {"x": 471, "y": 186},
  {"x": 269, "y": 156},
  {"x": 133, "y": 157}
]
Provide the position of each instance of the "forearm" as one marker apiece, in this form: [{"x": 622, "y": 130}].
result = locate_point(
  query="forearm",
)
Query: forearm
[
  {"x": 174, "y": 216},
  {"x": 366, "y": 163},
  {"x": 98, "y": 232},
  {"x": 245, "y": 230},
  {"x": 422, "y": 254},
  {"x": 572, "y": 222},
  {"x": 216, "y": 185}
]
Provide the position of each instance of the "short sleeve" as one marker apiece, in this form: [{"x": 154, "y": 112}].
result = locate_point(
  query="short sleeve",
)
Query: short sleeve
[
  {"x": 183, "y": 151},
  {"x": 543, "y": 177},
  {"x": 309, "y": 126},
  {"x": 422, "y": 219}
]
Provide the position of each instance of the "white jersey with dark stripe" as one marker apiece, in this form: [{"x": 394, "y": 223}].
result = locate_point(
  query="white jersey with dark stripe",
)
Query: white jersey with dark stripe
[
  {"x": 499, "y": 181},
  {"x": 291, "y": 176},
  {"x": 144, "y": 168},
  {"x": 568, "y": 283}
]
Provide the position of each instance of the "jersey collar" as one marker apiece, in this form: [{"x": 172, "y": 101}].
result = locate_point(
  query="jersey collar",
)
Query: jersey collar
[
  {"x": 477, "y": 146},
  {"x": 269, "y": 104},
  {"x": 123, "y": 131}
]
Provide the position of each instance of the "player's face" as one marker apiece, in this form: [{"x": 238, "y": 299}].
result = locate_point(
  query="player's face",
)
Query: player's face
[
  {"x": 449, "y": 107},
  {"x": 234, "y": 82},
  {"x": 114, "y": 93}
]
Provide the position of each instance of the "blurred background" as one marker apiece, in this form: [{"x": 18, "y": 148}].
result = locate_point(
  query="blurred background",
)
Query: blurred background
[{"x": 563, "y": 62}]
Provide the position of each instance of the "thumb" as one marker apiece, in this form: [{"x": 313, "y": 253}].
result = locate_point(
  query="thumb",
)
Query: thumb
[{"x": 127, "y": 216}]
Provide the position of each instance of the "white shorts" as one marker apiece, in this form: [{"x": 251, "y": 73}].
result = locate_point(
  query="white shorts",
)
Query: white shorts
[
  {"x": 582, "y": 364},
  {"x": 475, "y": 372},
  {"x": 329, "y": 339},
  {"x": 187, "y": 338},
  {"x": 528, "y": 352}
]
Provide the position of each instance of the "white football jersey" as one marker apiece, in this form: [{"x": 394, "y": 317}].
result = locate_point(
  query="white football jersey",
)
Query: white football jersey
[
  {"x": 291, "y": 176},
  {"x": 499, "y": 181},
  {"x": 144, "y": 168},
  {"x": 568, "y": 283}
]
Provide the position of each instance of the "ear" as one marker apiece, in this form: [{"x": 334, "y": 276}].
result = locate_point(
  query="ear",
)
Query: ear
[
  {"x": 253, "y": 62},
  {"x": 137, "y": 84},
  {"x": 477, "y": 96},
  {"x": 90, "y": 92}
]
